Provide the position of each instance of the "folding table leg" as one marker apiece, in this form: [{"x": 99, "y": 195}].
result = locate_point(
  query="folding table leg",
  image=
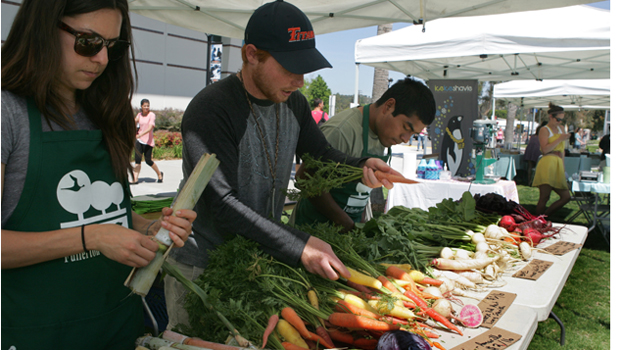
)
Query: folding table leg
[{"x": 562, "y": 337}]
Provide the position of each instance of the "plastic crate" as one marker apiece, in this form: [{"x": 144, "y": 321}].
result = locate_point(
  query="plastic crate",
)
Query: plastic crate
[{"x": 157, "y": 304}]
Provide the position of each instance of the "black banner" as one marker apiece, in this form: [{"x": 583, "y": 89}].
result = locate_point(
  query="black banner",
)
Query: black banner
[{"x": 456, "y": 108}]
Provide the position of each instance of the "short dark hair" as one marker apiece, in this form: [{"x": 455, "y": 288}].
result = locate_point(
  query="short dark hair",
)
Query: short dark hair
[
  {"x": 412, "y": 97},
  {"x": 316, "y": 102},
  {"x": 143, "y": 101}
]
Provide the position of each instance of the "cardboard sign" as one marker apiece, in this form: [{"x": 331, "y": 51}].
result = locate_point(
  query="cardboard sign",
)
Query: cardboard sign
[
  {"x": 533, "y": 270},
  {"x": 561, "y": 247},
  {"x": 494, "y": 306},
  {"x": 496, "y": 338}
]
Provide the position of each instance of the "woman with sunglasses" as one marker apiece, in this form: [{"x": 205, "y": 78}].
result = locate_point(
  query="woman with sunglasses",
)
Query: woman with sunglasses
[
  {"x": 69, "y": 236},
  {"x": 550, "y": 174}
]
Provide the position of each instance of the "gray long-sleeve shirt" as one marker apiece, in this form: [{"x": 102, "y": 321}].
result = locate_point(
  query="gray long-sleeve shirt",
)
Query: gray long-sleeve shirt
[{"x": 238, "y": 199}]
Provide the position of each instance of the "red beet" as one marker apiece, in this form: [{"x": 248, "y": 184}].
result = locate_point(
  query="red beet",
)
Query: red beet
[
  {"x": 534, "y": 235},
  {"x": 508, "y": 223}
]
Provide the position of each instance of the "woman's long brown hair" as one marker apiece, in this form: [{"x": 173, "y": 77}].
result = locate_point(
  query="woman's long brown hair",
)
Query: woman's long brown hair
[{"x": 31, "y": 58}]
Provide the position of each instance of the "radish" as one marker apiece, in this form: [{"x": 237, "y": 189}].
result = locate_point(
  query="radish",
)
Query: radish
[
  {"x": 443, "y": 307},
  {"x": 447, "y": 253},
  {"x": 446, "y": 264},
  {"x": 471, "y": 316},
  {"x": 477, "y": 238},
  {"x": 525, "y": 250},
  {"x": 507, "y": 222},
  {"x": 462, "y": 254},
  {"x": 482, "y": 247},
  {"x": 433, "y": 291},
  {"x": 535, "y": 236}
]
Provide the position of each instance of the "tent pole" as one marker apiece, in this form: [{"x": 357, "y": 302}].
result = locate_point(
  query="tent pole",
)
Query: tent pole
[{"x": 356, "y": 85}]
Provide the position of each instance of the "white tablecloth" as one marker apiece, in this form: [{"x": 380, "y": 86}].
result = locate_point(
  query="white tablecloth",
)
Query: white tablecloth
[
  {"x": 428, "y": 193},
  {"x": 589, "y": 186},
  {"x": 541, "y": 294}
]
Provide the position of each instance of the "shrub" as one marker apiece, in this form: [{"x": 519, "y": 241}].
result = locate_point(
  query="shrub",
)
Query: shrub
[{"x": 163, "y": 138}]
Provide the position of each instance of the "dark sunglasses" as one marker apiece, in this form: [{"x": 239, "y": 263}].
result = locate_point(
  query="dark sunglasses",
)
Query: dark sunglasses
[{"x": 89, "y": 44}]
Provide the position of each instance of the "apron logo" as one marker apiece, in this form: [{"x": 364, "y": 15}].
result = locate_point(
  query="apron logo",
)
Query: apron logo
[
  {"x": 357, "y": 202},
  {"x": 76, "y": 194}
]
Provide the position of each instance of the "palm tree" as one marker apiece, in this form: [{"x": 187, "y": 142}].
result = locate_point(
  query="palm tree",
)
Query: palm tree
[{"x": 381, "y": 76}]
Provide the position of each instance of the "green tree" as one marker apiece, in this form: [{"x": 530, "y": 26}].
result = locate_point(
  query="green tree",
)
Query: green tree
[
  {"x": 598, "y": 121},
  {"x": 318, "y": 89}
]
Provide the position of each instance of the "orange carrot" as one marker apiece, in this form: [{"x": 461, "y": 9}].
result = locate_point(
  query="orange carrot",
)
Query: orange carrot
[
  {"x": 438, "y": 345},
  {"x": 396, "y": 272},
  {"x": 316, "y": 338},
  {"x": 431, "y": 312},
  {"x": 394, "y": 178},
  {"x": 388, "y": 284},
  {"x": 343, "y": 306},
  {"x": 354, "y": 321},
  {"x": 292, "y": 317},
  {"x": 290, "y": 346},
  {"x": 347, "y": 338},
  {"x": 321, "y": 331},
  {"x": 272, "y": 321}
]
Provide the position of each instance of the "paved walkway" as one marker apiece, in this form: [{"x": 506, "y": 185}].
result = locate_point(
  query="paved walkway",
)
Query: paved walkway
[{"x": 149, "y": 188}]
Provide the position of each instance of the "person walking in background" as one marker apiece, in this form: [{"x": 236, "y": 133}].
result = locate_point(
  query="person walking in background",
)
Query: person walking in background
[
  {"x": 550, "y": 174},
  {"x": 69, "y": 235},
  {"x": 532, "y": 152},
  {"x": 580, "y": 138},
  {"x": 145, "y": 120},
  {"x": 605, "y": 146},
  {"x": 318, "y": 113},
  {"x": 423, "y": 135}
]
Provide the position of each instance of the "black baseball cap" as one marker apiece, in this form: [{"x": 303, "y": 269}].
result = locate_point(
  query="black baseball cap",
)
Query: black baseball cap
[{"x": 286, "y": 33}]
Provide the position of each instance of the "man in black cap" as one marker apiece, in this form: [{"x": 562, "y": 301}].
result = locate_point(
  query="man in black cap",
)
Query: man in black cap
[{"x": 256, "y": 122}]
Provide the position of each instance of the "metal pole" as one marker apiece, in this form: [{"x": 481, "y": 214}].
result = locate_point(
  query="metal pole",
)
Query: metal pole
[
  {"x": 356, "y": 85},
  {"x": 209, "y": 59}
]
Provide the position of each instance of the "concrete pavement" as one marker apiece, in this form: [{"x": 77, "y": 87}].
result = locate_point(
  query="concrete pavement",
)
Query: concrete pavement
[{"x": 148, "y": 187}]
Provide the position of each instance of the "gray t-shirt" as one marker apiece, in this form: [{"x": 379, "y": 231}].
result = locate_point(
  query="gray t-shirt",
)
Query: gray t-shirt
[{"x": 16, "y": 147}]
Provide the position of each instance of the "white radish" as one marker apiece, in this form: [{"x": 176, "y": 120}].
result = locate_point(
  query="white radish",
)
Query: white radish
[
  {"x": 447, "y": 286},
  {"x": 461, "y": 254},
  {"x": 458, "y": 280},
  {"x": 477, "y": 238},
  {"x": 473, "y": 276},
  {"x": 433, "y": 291},
  {"x": 462, "y": 293},
  {"x": 443, "y": 307},
  {"x": 447, "y": 253},
  {"x": 493, "y": 231},
  {"x": 482, "y": 247},
  {"x": 446, "y": 264},
  {"x": 525, "y": 250},
  {"x": 480, "y": 255}
]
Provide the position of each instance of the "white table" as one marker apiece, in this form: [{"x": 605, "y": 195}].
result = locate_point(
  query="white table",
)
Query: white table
[
  {"x": 599, "y": 213},
  {"x": 540, "y": 295},
  {"x": 517, "y": 319},
  {"x": 428, "y": 193}
]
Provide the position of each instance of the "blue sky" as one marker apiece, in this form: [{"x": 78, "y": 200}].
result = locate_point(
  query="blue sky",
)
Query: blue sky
[{"x": 338, "y": 48}]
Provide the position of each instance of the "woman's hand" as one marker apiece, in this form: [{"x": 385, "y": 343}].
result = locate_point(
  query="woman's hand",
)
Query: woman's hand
[
  {"x": 126, "y": 246},
  {"x": 179, "y": 225}
]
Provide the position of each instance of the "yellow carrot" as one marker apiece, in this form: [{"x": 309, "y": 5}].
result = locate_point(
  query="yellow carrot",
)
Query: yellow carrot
[
  {"x": 396, "y": 311},
  {"x": 406, "y": 267},
  {"x": 290, "y": 334},
  {"x": 360, "y": 278}
]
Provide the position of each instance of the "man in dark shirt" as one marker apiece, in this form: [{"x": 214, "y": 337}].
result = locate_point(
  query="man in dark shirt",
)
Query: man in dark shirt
[{"x": 255, "y": 122}]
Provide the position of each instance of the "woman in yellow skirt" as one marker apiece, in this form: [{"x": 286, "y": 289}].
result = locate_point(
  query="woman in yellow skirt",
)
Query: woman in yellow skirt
[{"x": 550, "y": 174}]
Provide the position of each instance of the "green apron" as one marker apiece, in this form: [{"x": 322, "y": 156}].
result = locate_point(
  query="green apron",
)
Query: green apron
[
  {"x": 352, "y": 197},
  {"x": 79, "y": 301}
]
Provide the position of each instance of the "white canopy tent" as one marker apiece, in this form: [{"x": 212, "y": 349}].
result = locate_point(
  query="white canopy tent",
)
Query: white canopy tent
[
  {"x": 573, "y": 93},
  {"x": 570, "y": 94},
  {"x": 564, "y": 43},
  {"x": 229, "y": 18}
]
